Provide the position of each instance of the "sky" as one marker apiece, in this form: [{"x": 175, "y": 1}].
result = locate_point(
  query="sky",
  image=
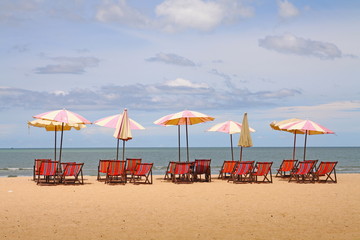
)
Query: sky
[{"x": 274, "y": 59}]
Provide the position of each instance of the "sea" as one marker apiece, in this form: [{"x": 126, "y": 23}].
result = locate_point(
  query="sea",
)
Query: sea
[{"x": 16, "y": 162}]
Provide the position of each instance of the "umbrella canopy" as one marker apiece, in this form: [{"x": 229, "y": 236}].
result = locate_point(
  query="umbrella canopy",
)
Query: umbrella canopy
[
  {"x": 308, "y": 127},
  {"x": 184, "y": 118},
  {"x": 245, "y": 136},
  {"x": 55, "y": 126},
  {"x": 64, "y": 117},
  {"x": 123, "y": 126},
  {"x": 229, "y": 127},
  {"x": 276, "y": 126}
]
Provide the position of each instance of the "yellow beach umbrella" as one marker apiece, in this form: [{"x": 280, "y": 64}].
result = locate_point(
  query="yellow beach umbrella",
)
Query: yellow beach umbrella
[{"x": 245, "y": 136}]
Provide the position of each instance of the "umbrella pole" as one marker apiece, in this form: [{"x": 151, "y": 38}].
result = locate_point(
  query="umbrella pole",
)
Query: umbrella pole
[
  {"x": 117, "y": 149},
  {"x": 187, "y": 142},
  {"x": 179, "y": 141},
  {"x": 61, "y": 141},
  {"x": 294, "y": 146},
  {"x": 306, "y": 133},
  {"x": 241, "y": 153},
  {"x": 123, "y": 157},
  {"x": 55, "y": 147},
  {"x": 232, "y": 150}
]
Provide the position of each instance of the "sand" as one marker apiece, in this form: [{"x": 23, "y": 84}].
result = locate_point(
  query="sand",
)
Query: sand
[{"x": 164, "y": 210}]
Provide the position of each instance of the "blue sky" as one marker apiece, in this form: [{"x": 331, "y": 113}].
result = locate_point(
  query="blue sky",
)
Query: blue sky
[{"x": 274, "y": 59}]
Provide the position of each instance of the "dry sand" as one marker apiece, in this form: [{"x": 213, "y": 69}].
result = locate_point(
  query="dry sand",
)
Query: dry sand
[{"x": 164, "y": 210}]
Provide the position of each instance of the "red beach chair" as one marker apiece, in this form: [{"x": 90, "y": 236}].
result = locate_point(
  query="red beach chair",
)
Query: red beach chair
[
  {"x": 227, "y": 168},
  {"x": 303, "y": 171},
  {"x": 326, "y": 169},
  {"x": 37, "y": 164},
  {"x": 242, "y": 172},
  {"x": 102, "y": 168},
  {"x": 72, "y": 170},
  {"x": 286, "y": 166},
  {"x": 184, "y": 171},
  {"x": 262, "y": 169},
  {"x": 48, "y": 169},
  {"x": 131, "y": 165},
  {"x": 142, "y": 170},
  {"x": 202, "y": 166},
  {"x": 170, "y": 171},
  {"x": 116, "y": 172}
]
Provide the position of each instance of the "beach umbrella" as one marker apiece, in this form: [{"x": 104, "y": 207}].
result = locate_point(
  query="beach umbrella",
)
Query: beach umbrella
[
  {"x": 64, "y": 117},
  {"x": 123, "y": 126},
  {"x": 55, "y": 127},
  {"x": 308, "y": 127},
  {"x": 229, "y": 127},
  {"x": 184, "y": 118},
  {"x": 276, "y": 126},
  {"x": 245, "y": 136}
]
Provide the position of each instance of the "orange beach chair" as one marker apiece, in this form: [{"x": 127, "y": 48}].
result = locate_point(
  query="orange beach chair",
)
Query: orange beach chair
[
  {"x": 303, "y": 171},
  {"x": 326, "y": 169},
  {"x": 36, "y": 168},
  {"x": 202, "y": 166},
  {"x": 242, "y": 172},
  {"x": 131, "y": 165},
  {"x": 142, "y": 170},
  {"x": 227, "y": 168},
  {"x": 184, "y": 172},
  {"x": 72, "y": 170},
  {"x": 262, "y": 169},
  {"x": 286, "y": 166},
  {"x": 116, "y": 172},
  {"x": 170, "y": 171},
  {"x": 102, "y": 169},
  {"x": 48, "y": 169}
]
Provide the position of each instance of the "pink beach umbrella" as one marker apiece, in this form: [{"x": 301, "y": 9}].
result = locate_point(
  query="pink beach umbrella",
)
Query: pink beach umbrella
[
  {"x": 308, "y": 127},
  {"x": 229, "y": 127},
  {"x": 65, "y": 117},
  {"x": 123, "y": 126},
  {"x": 184, "y": 118}
]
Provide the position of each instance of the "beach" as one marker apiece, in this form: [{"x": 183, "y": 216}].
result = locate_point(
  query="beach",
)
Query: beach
[{"x": 164, "y": 210}]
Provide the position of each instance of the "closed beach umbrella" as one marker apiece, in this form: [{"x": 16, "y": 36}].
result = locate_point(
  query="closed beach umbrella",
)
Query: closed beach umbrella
[
  {"x": 54, "y": 126},
  {"x": 308, "y": 127},
  {"x": 276, "y": 126},
  {"x": 64, "y": 117},
  {"x": 245, "y": 136},
  {"x": 122, "y": 125},
  {"x": 184, "y": 118},
  {"x": 229, "y": 127}
]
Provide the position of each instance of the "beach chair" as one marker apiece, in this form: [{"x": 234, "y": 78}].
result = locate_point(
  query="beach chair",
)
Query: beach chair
[
  {"x": 116, "y": 172},
  {"x": 131, "y": 165},
  {"x": 36, "y": 168},
  {"x": 286, "y": 166},
  {"x": 303, "y": 171},
  {"x": 48, "y": 169},
  {"x": 142, "y": 170},
  {"x": 227, "y": 168},
  {"x": 202, "y": 166},
  {"x": 184, "y": 172},
  {"x": 262, "y": 169},
  {"x": 102, "y": 169},
  {"x": 170, "y": 171},
  {"x": 326, "y": 169},
  {"x": 242, "y": 172},
  {"x": 71, "y": 173}
]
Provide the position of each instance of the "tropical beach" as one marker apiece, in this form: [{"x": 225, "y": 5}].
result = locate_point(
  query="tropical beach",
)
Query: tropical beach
[{"x": 164, "y": 210}]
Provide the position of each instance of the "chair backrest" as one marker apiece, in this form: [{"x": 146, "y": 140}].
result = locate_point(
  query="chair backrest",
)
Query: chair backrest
[
  {"x": 287, "y": 165},
  {"x": 171, "y": 167},
  {"x": 243, "y": 167},
  {"x": 72, "y": 169},
  {"x": 262, "y": 168},
  {"x": 228, "y": 166},
  {"x": 304, "y": 167},
  {"x": 37, "y": 163},
  {"x": 182, "y": 167},
  {"x": 116, "y": 167},
  {"x": 142, "y": 169},
  {"x": 131, "y": 163},
  {"x": 325, "y": 167},
  {"x": 103, "y": 165},
  {"x": 48, "y": 168},
  {"x": 202, "y": 166},
  {"x": 64, "y": 164}
]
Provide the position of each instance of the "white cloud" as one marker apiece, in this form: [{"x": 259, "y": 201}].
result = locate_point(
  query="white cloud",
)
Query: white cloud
[
  {"x": 68, "y": 65},
  {"x": 287, "y": 9},
  {"x": 180, "y": 82},
  {"x": 290, "y": 44},
  {"x": 171, "y": 58},
  {"x": 199, "y": 14}
]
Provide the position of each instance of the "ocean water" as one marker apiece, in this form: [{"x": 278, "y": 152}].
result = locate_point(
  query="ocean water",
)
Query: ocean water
[{"x": 19, "y": 162}]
